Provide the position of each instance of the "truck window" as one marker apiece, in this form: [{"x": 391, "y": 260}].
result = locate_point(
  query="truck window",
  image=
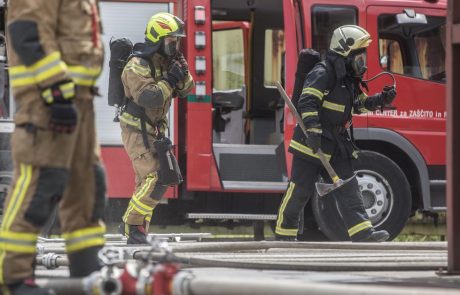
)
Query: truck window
[
  {"x": 417, "y": 50},
  {"x": 228, "y": 59},
  {"x": 325, "y": 19},
  {"x": 391, "y": 56},
  {"x": 273, "y": 56}
]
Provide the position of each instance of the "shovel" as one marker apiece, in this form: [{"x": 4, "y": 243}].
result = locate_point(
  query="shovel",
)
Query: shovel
[{"x": 322, "y": 188}]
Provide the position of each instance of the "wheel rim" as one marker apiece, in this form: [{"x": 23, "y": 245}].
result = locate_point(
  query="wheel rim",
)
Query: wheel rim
[{"x": 378, "y": 197}]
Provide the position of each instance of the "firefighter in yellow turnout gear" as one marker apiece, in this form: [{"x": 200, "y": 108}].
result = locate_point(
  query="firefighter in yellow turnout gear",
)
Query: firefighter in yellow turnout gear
[
  {"x": 155, "y": 73},
  {"x": 55, "y": 57}
]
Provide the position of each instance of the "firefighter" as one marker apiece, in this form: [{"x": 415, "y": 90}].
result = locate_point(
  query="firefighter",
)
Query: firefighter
[
  {"x": 55, "y": 57},
  {"x": 156, "y": 72},
  {"x": 331, "y": 94}
]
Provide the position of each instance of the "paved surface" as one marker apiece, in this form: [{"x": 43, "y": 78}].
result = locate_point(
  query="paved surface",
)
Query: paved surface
[{"x": 322, "y": 268}]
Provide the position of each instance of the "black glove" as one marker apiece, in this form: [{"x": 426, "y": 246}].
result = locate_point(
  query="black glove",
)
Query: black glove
[
  {"x": 314, "y": 139},
  {"x": 175, "y": 74},
  {"x": 63, "y": 114},
  {"x": 183, "y": 62},
  {"x": 388, "y": 94}
]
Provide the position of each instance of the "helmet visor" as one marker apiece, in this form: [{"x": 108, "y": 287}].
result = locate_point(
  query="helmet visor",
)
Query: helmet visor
[
  {"x": 359, "y": 63},
  {"x": 172, "y": 45}
]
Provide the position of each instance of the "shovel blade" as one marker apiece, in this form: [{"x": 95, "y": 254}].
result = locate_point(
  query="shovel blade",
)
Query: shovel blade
[{"x": 325, "y": 188}]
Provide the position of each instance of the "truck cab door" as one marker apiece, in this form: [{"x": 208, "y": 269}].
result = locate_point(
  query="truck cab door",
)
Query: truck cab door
[{"x": 415, "y": 54}]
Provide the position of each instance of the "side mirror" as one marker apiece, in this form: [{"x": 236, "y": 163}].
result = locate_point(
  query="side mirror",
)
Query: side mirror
[{"x": 410, "y": 17}]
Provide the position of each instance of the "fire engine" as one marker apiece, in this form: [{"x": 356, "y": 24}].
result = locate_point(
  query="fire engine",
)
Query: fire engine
[{"x": 231, "y": 133}]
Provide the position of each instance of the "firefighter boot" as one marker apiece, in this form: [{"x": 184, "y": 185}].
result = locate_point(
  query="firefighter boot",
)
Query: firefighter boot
[
  {"x": 136, "y": 234},
  {"x": 376, "y": 236},
  {"x": 28, "y": 288}
]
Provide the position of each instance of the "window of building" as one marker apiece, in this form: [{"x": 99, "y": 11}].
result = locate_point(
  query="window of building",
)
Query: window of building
[{"x": 327, "y": 18}]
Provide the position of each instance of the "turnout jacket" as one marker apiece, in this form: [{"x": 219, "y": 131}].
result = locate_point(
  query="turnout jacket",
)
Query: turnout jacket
[
  {"x": 329, "y": 98},
  {"x": 45, "y": 48},
  {"x": 144, "y": 85}
]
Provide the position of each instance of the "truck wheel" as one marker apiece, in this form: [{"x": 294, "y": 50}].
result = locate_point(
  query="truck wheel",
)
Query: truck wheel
[{"x": 386, "y": 197}]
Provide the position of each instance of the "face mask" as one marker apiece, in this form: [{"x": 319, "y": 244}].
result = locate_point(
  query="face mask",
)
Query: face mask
[
  {"x": 358, "y": 63},
  {"x": 171, "y": 46}
]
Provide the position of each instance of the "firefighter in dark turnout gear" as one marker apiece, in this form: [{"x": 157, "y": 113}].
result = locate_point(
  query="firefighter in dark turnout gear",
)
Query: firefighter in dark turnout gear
[
  {"x": 155, "y": 73},
  {"x": 55, "y": 56},
  {"x": 331, "y": 94}
]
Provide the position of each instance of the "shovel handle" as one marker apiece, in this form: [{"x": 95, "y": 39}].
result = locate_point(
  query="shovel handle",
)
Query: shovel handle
[{"x": 335, "y": 178}]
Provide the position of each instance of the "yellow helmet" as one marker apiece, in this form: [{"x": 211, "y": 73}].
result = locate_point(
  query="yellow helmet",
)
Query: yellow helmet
[
  {"x": 349, "y": 38},
  {"x": 164, "y": 24}
]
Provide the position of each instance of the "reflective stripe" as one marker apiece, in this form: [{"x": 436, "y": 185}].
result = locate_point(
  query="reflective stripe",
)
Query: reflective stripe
[
  {"x": 138, "y": 196},
  {"x": 315, "y": 130},
  {"x": 140, "y": 207},
  {"x": 138, "y": 69},
  {"x": 42, "y": 70},
  {"x": 309, "y": 114},
  {"x": 18, "y": 242},
  {"x": 306, "y": 150},
  {"x": 84, "y": 238},
  {"x": 359, "y": 227},
  {"x": 84, "y": 76},
  {"x": 130, "y": 120},
  {"x": 18, "y": 195},
  {"x": 314, "y": 92},
  {"x": 362, "y": 97},
  {"x": 333, "y": 106},
  {"x": 279, "y": 229}
]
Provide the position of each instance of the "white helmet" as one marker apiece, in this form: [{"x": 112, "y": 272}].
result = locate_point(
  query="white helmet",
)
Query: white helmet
[{"x": 349, "y": 38}]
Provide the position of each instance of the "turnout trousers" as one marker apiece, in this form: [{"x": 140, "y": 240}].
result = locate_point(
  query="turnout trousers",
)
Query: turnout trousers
[
  {"x": 53, "y": 169},
  {"x": 302, "y": 187},
  {"x": 147, "y": 193}
]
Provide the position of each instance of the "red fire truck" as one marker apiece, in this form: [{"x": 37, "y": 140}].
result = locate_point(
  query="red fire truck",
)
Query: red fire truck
[{"x": 231, "y": 133}]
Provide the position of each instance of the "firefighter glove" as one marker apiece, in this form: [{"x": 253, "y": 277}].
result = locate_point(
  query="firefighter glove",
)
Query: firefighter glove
[
  {"x": 314, "y": 139},
  {"x": 183, "y": 62},
  {"x": 63, "y": 114},
  {"x": 175, "y": 74},
  {"x": 388, "y": 94}
]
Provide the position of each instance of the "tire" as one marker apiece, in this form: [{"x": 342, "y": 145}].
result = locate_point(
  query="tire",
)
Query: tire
[{"x": 386, "y": 196}]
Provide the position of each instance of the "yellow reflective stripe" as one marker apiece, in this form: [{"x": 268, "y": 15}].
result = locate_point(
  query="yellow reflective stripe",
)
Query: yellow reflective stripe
[
  {"x": 355, "y": 154},
  {"x": 46, "y": 61},
  {"x": 333, "y": 106},
  {"x": 362, "y": 97},
  {"x": 18, "y": 195},
  {"x": 68, "y": 90},
  {"x": 313, "y": 91},
  {"x": 140, "y": 207},
  {"x": 138, "y": 196},
  {"x": 84, "y": 232},
  {"x": 84, "y": 76},
  {"x": 84, "y": 238},
  {"x": 359, "y": 227},
  {"x": 21, "y": 76},
  {"x": 279, "y": 229},
  {"x": 47, "y": 96},
  {"x": 315, "y": 130},
  {"x": 309, "y": 114},
  {"x": 286, "y": 232},
  {"x": 18, "y": 242},
  {"x": 335, "y": 179},
  {"x": 138, "y": 69},
  {"x": 133, "y": 122},
  {"x": 306, "y": 150}
]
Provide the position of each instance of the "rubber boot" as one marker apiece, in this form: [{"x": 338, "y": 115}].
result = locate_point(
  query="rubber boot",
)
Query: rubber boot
[
  {"x": 28, "y": 288},
  {"x": 376, "y": 237},
  {"x": 136, "y": 234},
  {"x": 85, "y": 262}
]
